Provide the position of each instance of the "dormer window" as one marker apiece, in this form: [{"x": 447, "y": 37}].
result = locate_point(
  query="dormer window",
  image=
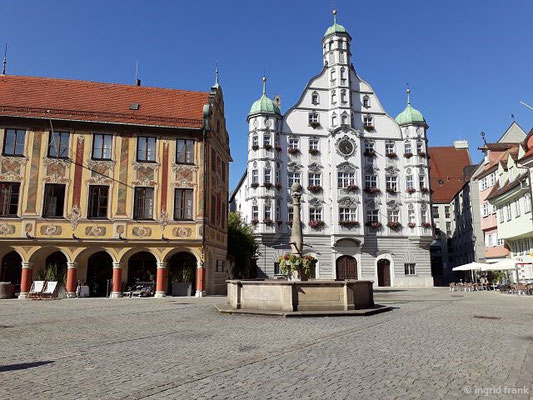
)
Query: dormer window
[
  {"x": 366, "y": 101},
  {"x": 315, "y": 99},
  {"x": 368, "y": 122}
]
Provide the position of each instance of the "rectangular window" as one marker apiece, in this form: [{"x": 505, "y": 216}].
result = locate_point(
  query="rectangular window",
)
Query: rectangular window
[
  {"x": 410, "y": 269},
  {"x": 393, "y": 215},
  {"x": 293, "y": 143},
  {"x": 143, "y": 203},
  {"x": 278, "y": 179},
  {"x": 183, "y": 205},
  {"x": 422, "y": 181},
  {"x": 407, "y": 148},
  {"x": 315, "y": 214},
  {"x": 268, "y": 176},
  {"x": 268, "y": 212},
  {"x": 267, "y": 140},
  {"x": 102, "y": 146},
  {"x": 58, "y": 144},
  {"x": 517, "y": 207},
  {"x": 424, "y": 216},
  {"x": 527, "y": 203},
  {"x": 290, "y": 214},
  {"x": 409, "y": 182},
  {"x": 146, "y": 148},
  {"x": 419, "y": 147},
  {"x": 98, "y": 196},
  {"x": 313, "y": 118},
  {"x": 372, "y": 215},
  {"x": 389, "y": 148},
  {"x": 371, "y": 181},
  {"x": 294, "y": 177},
  {"x": 508, "y": 211},
  {"x": 255, "y": 176},
  {"x": 448, "y": 228},
  {"x": 255, "y": 141},
  {"x": 185, "y": 151},
  {"x": 54, "y": 200},
  {"x": 313, "y": 144},
  {"x": 391, "y": 183},
  {"x": 345, "y": 179},
  {"x": 369, "y": 146},
  {"x": 347, "y": 214},
  {"x": 435, "y": 210},
  {"x": 278, "y": 213},
  {"x": 14, "y": 142},
  {"x": 314, "y": 179},
  {"x": 255, "y": 213},
  {"x": 446, "y": 211},
  {"x": 9, "y": 199}
]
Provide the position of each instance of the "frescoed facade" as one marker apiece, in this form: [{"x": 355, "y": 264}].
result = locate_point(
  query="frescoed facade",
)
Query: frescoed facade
[{"x": 114, "y": 183}]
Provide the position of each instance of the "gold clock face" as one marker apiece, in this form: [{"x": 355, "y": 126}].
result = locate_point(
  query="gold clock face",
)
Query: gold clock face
[{"x": 346, "y": 147}]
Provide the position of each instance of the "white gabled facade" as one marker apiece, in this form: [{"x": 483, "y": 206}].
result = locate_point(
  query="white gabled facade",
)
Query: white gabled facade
[{"x": 360, "y": 170}]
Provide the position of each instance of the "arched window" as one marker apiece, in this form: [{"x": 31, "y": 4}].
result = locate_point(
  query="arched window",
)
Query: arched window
[
  {"x": 343, "y": 96},
  {"x": 366, "y": 101},
  {"x": 344, "y": 118},
  {"x": 343, "y": 74},
  {"x": 315, "y": 99},
  {"x": 333, "y": 75}
]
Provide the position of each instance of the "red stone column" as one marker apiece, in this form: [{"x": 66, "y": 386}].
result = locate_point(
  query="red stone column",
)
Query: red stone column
[
  {"x": 116, "y": 290},
  {"x": 161, "y": 280},
  {"x": 200, "y": 279},
  {"x": 72, "y": 278},
  {"x": 26, "y": 279}
]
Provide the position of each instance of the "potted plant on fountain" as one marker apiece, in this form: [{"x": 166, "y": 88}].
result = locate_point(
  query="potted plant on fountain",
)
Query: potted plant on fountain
[{"x": 298, "y": 268}]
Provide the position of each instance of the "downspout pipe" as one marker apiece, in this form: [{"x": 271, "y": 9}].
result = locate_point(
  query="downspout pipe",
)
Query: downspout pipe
[{"x": 205, "y": 129}]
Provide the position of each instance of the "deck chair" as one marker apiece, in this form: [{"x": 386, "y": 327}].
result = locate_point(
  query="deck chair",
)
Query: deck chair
[
  {"x": 50, "y": 290},
  {"x": 36, "y": 290}
]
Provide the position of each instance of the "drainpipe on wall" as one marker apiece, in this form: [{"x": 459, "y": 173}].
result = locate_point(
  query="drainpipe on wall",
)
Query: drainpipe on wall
[{"x": 205, "y": 128}]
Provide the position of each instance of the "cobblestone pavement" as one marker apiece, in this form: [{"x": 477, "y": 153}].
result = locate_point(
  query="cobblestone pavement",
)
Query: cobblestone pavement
[{"x": 432, "y": 345}]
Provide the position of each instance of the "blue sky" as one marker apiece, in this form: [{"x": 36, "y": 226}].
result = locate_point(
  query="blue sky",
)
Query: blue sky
[{"x": 469, "y": 63}]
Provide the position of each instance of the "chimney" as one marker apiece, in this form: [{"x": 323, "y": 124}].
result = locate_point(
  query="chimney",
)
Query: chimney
[
  {"x": 137, "y": 82},
  {"x": 460, "y": 144}
]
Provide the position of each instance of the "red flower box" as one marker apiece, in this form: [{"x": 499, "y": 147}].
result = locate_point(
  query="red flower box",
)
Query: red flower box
[
  {"x": 370, "y": 153},
  {"x": 293, "y": 150},
  {"x": 411, "y": 190},
  {"x": 314, "y": 152},
  {"x": 391, "y": 155},
  {"x": 316, "y": 224},
  {"x": 268, "y": 185},
  {"x": 373, "y": 224},
  {"x": 411, "y": 224},
  {"x": 349, "y": 224},
  {"x": 314, "y": 189},
  {"x": 394, "y": 225},
  {"x": 408, "y": 155},
  {"x": 255, "y": 147},
  {"x": 372, "y": 190}
]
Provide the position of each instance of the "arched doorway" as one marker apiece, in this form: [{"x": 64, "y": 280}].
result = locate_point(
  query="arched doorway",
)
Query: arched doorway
[
  {"x": 99, "y": 272},
  {"x": 346, "y": 268},
  {"x": 11, "y": 269},
  {"x": 384, "y": 272},
  {"x": 181, "y": 274},
  {"x": 142, "y": 267},
  {"x": 54, "y": 268}
]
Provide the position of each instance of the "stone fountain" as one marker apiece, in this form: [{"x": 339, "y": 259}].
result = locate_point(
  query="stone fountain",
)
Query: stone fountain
[{"x": 298, "y": 296}]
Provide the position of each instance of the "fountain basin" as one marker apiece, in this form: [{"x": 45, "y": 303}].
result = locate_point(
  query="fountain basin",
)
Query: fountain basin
[{"x": 301, "y": 298}]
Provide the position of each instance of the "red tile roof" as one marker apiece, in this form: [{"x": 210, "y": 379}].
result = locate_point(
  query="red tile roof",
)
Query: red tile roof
[
  {"x": 446, "y": 165},
  {"x": 498, "y": 190},
  {"x": 22, "y": 96}
]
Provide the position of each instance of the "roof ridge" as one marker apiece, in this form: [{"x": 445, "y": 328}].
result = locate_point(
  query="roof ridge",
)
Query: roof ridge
[{"x": 125, "y": 85}]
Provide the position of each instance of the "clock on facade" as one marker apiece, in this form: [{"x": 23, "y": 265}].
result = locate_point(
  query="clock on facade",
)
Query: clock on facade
[{"x": 346, "y": 147}]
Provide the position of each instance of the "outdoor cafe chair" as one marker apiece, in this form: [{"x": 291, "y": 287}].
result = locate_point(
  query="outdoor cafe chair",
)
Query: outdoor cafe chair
[
  {"x": 36, "y": 290},
  {"x": 50, "y": 290}
]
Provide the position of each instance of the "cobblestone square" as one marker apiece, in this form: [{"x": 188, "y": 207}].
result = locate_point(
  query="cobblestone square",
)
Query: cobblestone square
[{"x": 434, "y": 344}]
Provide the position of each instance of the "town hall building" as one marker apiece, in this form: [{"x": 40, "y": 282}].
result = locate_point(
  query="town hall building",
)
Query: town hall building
[{"x": 366, "y": 201}]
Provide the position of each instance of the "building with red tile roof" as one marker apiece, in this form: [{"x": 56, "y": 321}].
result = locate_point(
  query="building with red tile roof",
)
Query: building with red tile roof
[{"x": 117, "y": 185}]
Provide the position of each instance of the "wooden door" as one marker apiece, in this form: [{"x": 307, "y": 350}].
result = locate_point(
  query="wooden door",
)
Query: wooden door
[
  {"x": 346, "y": 268},
  {"x": 383, "y": 273}
]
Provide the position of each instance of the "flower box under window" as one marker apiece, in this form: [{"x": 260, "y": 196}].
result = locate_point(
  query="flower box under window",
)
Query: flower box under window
[
  {"x": 279, "y": 222},
  {"x": 424, "y": 190},
  {"x": 316, "y": 224},
  {"x": 390, "y": 191},
  {"x": 394, "y": 225},
  {"x": 314, "y": 188},
  {"x": 255, "y": 147},
  {"x": 426, "y": 225},
  {"x": 411, "y": 190},
  {"x": 267, "y": 147},
  {"x": 370, "y": 153},
  {"x": 315, "y": 124},
  {"x": 314, "y": 152},
  {"x": 372, "y": 190},
  {"x": 254, "y": 221},
  {"x": 373, "y": 224},
  {"x": 422, "y": 154},
  {"x": 267, "y": 221},
  {"x": 268, "y": 185},
  {"x": 352, "y": 188},
  {"x": 254, "y": 185},
  {"x": 348, "y": 224},
  {"x": 411, "y": 224},
  {"x": 293, "y": 150},
  {"x": 278, "y": 186},
  {"x": 391, "y": 155},
  {"x": 408, "y": 155},
  {"x": 289, "y": 222},
  {"x": 369, "y": 128},
  {"x": 278, "y": 148}
]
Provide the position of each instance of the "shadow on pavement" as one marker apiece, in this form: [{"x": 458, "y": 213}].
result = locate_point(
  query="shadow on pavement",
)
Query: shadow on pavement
[{"x": 16, "y": 367}]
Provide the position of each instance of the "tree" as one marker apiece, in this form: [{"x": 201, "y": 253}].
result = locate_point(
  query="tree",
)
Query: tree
[{"x": 242, "y": 247}]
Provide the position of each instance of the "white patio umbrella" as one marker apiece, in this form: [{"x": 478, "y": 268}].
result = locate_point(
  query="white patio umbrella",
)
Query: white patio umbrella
[
  {"x": 473, "y": 266},
  {"x": 503, "y": 265}
]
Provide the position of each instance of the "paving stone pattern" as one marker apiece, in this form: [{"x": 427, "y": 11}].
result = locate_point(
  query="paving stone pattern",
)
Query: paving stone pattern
[{"x": 430, "y": 347}]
